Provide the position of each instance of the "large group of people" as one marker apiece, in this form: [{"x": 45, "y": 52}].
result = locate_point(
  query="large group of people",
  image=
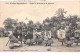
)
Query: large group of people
[
  {"x": 66, "y": 34},
  {"x": 29, "y": 36},
  {"x": 69, "y": 35}
]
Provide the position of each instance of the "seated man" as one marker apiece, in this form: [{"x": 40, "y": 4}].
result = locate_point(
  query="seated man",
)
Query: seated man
[{"x": 13, "y": 41}]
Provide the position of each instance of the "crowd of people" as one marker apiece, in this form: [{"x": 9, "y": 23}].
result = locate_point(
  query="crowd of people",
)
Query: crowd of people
[
  {"x": 33, "y": 36},
  {"x": 30, "y": 36}
]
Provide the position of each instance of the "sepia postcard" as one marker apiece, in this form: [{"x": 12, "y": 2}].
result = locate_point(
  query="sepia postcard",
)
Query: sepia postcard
[{"x": 40, "y": 26}]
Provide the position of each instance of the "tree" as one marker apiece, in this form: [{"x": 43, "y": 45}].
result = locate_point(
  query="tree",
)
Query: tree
[
  {"x": 55, "y": 21},
  {"x": 9, "y": 23},
  {"x": 47, "y": 20},
  {"x": 60, "y": 13},
  {"x": 3, "y": 32},
  {"x": 73, "y": 21},
  {"x": 21, "y": 24}
]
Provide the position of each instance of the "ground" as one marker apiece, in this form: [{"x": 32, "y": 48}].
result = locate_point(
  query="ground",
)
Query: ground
[{"x": 56, "y": 47}]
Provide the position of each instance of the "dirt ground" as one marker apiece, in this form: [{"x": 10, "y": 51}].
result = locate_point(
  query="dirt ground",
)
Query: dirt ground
[{"x": 56, "y": 47}]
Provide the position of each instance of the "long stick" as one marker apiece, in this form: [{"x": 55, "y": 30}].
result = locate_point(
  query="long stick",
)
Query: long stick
[{"x": 7, "y": 42}]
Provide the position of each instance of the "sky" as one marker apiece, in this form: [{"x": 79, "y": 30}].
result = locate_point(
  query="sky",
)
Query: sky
[{"x": 36, "y": 12}]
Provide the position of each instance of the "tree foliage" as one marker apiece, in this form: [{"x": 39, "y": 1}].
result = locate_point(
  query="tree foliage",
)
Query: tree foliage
[{"x": 9, "y": 23}]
